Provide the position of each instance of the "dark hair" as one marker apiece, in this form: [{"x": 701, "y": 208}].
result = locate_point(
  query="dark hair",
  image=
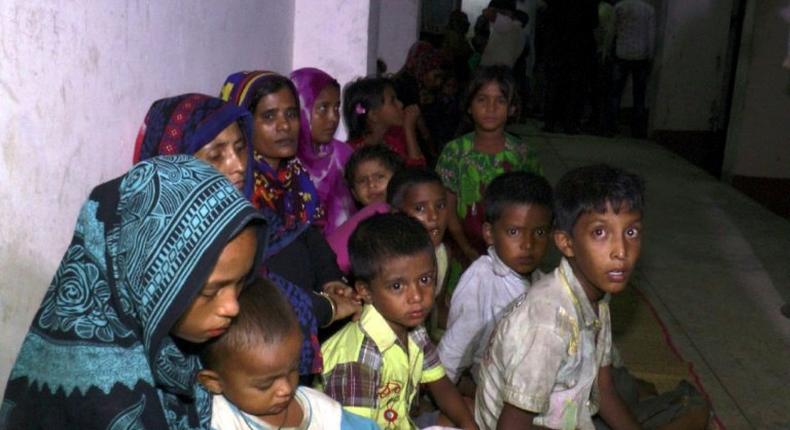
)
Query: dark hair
[
  {"x": 404, "y": 179},
  {"x": 521, "y": 188},
  {"x": 265, "y": 317},
  {"x": 378, "y": 152},
  {"x": 591, "y": 188},
  {"x": 359, "y": 98},
  {"x": 268, "y": 85},
  {"x": 385, "y": 236},
  {"x": 502, "y": 75}
]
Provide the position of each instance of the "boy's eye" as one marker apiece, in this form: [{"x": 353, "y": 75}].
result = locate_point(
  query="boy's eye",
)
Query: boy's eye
[
  {"x": 426, "y": 279},
  {"x": 598, "y": 232},
  {"x": 442, "y": 204},
  {"x": 396, "y": 286},
  {"x": 540, "y": 232},
  {"x": 632, "y": 232},
  {"x": 512, "y": 231},
  {"x": 419, "y": 208},
  {"x": 264, "y": 386}
]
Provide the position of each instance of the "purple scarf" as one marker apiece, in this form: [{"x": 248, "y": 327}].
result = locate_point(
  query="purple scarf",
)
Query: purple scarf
[{"x": 326, "y": 162}]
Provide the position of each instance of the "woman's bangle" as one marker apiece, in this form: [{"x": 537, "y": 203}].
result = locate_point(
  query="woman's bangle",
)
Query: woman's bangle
[{"x": 332, "y": 305}]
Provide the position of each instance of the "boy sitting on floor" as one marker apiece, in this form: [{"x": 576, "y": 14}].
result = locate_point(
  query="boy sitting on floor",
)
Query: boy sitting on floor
[
  {"x": 558, "y": 375},
  {"x": 375, "y": 366},
  {"x": 516, "y": 229}
]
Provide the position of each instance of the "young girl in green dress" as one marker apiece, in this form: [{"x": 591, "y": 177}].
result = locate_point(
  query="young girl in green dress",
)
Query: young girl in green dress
[{"x": 468, "y": 163}]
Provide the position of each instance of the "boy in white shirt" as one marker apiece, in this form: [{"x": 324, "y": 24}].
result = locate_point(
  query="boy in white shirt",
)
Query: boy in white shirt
[{"x": 516, "y": 229}]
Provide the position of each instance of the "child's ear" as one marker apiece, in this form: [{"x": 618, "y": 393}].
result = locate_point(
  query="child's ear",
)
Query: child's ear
[
  {"x": 211, "y": 380},
  {"x": 488, "y": 233},
  {"x": 564, "y": 242},
  {"x": 363, "y": 290}
]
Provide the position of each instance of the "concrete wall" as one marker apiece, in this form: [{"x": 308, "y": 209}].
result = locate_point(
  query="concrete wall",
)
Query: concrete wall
[
  {"x": 758, "y": 141},
  {"x": 76, "y": 79},
  {"x": 398, "y": 30},
  {"x": 689, "y": 70}
]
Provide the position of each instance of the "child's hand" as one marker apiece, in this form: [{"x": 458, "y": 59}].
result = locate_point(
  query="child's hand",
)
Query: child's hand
[{"x": 410, "y": 115}]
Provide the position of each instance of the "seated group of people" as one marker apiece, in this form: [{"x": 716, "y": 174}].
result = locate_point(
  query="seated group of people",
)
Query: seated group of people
[{"x": 251, "y": 271}]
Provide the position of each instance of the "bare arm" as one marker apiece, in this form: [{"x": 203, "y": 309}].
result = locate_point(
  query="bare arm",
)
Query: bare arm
[
  {"x": 456, "y": 231},
  {"x": 451, "y": 403},
  {"x": 515, "y": 418},
  {"x": 410, "y": 115},
  {"x": 613, "y": 409}
]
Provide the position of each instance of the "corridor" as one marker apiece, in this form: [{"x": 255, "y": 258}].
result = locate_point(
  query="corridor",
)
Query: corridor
[{"x": 714, "y": 266}]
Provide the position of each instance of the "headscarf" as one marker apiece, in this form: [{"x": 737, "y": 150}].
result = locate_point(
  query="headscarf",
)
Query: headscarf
[
  {"x": 186, "y": 123},
  {"x": 99, "y": 353},
  {"x": 286, "y": 193},
  {"x": 325, "y": 163},
  {"x": 421, "y": 59},
  {"x": 289, "y": 200}
]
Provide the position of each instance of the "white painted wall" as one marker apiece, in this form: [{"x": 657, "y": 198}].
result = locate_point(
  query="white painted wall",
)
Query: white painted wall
[
  {"x": 758, "y": 141},
  {"x": 689, "y": 69},
  {"x": 398, "y": 30},
  {"x": 340, "y": 50},
  {"x": 76, "y": 79}
]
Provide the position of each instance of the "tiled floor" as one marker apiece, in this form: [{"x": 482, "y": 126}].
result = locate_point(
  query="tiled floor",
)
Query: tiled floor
[{"x": 717, "y": 270}]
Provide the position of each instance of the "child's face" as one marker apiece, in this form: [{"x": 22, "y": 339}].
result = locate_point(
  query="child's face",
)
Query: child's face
[
  {"x": 325, "y": 116},
  {"x": 489, "y": 108},
  {"x": 603, "y": 250},
  {"x": 211, "y": 312},
  {"x": 390, "y": 112},
  {"x": 520, "y": 236},
  {"x": 402, "y": 291},
  {"x": 428, "y": 203},
  {"x": 228, "y": 154},
  {"x": 370, "y": 182},
  {"x": 276, "y": 126},
  {"x": 261, "y": 381}
]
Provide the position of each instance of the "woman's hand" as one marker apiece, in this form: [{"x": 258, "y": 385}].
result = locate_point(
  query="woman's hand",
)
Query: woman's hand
[{"x": 347, "y": 303}]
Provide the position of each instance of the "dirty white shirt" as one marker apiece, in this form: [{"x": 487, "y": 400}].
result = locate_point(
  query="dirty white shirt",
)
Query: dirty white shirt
[
  {"x": 485, "y": 289},
  {"x": 544, "y": 356}
]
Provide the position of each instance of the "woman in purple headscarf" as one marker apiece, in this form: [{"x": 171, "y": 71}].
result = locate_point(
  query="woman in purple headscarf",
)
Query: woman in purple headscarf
[{"x": 321, "y": 154}]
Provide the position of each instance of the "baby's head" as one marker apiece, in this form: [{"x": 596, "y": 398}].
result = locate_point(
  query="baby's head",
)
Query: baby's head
[
  {"x": 370, "y": 102},
  {"x": 255, "y": 363},
  {"x": 394, "y": 265},
  {"x": 421, "y": 194},
  {"x": 598, "y": 225},
  {"x": 518, "y": 219},
  {"x": 368, "y": 171}
]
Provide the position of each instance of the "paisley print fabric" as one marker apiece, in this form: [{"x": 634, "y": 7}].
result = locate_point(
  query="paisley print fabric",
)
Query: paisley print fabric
[{"x": 99, "y": 354}]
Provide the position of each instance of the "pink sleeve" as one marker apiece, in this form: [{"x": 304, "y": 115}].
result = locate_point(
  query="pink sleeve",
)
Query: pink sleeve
[{"x": 338, "y": 240}]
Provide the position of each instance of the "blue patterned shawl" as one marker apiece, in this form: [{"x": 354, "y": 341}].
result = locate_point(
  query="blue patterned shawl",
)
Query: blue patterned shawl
[{"x": 99, "y": 354}]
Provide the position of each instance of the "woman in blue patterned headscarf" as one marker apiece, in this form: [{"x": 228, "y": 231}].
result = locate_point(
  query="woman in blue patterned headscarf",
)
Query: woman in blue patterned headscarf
[
  {"x": 206, "y": 127},
  {"x": 156, "y": 262}
]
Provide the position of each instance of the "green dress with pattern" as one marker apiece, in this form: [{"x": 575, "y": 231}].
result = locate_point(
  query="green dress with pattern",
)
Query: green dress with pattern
[{"x": 466, "y": 172}]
